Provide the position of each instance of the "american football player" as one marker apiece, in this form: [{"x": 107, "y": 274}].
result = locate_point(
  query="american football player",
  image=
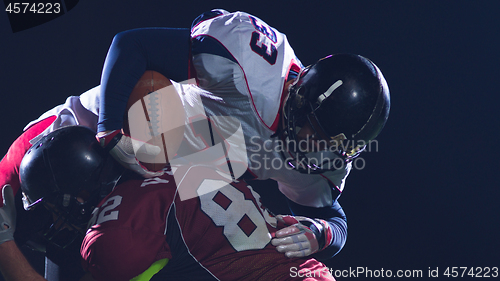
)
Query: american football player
[
  {"x": 144, "y": 231},
  {"x": 62, "y": 178},
  {"x": 144, "y": 227},
  {"x": 312, "y": 120}
]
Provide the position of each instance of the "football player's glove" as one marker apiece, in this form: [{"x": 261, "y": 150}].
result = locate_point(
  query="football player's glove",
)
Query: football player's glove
[
  {"x": 121, "y": 148},
  {"x": 302, "y": 236},
  {"x": 7, "y": 215}
]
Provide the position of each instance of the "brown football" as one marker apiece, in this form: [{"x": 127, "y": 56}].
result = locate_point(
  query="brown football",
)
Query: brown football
[{"x": 154, "y": 115}]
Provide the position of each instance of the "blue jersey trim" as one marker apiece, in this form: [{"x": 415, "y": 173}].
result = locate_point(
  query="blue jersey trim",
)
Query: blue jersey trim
[
  {"x": 183, "y": 266},
  {"x": 204, "y": 44}
]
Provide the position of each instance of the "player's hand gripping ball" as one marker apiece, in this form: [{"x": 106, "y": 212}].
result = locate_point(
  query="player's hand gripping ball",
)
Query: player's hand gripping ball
[
  {"x": 121, "y": 147},
  {"x": 153, "y": 127},
  {"x": 301, "y": 237}
]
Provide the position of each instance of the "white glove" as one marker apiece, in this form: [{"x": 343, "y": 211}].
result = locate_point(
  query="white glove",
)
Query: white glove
[
  {"x": 299, "y": 238},
  {"x": 121, "y": 148},
  {"x": 7, "y": 215}
]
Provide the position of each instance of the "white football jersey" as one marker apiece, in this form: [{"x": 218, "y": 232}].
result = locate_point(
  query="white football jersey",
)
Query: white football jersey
[
  {"x": 80, "y": 110},
  {"x": 238, "y": 54},
  {"x": 244, "y": 63}
]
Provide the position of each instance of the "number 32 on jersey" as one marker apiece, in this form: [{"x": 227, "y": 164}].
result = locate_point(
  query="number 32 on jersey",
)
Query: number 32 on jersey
[{"x": 106, "y": 212}]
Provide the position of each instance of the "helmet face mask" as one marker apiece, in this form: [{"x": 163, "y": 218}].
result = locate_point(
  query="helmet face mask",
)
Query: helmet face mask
[
  {"x": 343, "y": 102},
  {"x": 68, "y": 218},
  {"x": 65, "y": 174},
  {"x": 309, "y": 149}
]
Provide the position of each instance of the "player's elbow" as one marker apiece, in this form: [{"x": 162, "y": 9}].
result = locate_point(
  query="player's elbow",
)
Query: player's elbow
[{"x": 126, "y": 39}]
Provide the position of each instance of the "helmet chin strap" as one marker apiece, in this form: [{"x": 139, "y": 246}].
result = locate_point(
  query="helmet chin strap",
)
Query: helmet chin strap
[{"x": 281, "y": 125}]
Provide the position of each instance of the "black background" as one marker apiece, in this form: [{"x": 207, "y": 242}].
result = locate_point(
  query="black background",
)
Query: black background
[{"x": 427, "y": 198}]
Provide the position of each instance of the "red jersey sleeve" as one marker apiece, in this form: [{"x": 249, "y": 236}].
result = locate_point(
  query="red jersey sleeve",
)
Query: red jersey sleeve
[{"x": 9, "y": 166}]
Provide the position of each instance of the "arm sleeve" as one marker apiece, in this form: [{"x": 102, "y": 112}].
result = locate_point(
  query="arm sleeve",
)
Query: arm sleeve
[
  {"x": 10, "y": 163},
  {"x": 334, "y": 216},
  {"x": 132, "y": 52}
]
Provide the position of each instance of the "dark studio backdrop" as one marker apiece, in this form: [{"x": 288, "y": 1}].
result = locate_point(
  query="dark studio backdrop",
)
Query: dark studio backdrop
[{"x": 427, "y": 197}]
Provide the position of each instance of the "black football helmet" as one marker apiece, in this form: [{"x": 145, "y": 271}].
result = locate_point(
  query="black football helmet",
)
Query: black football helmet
[
  {"x": 67, "y": 172},
  {"x": 344, "y": 101}
]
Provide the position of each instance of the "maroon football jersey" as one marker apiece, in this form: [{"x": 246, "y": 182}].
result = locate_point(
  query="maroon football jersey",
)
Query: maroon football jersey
[{"x": 222, "y": 234}]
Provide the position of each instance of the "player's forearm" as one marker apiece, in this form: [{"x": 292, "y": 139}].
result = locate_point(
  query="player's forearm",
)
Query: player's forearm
[
  {"x": 14, "y": 265},
  {"x": 339, "y": 232},
  {"x": 131, "y": 53}
]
